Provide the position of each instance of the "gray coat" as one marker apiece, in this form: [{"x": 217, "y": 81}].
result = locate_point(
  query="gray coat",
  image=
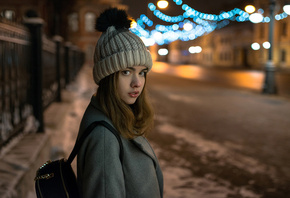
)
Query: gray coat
[{"x": 99, "y": 170}]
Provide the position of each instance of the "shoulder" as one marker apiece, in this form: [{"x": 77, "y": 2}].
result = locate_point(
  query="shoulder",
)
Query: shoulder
[
  {"x": 100, "y": 144},
  {"x": 101, "y": 133},
  {"x": 92, "y": 114}
]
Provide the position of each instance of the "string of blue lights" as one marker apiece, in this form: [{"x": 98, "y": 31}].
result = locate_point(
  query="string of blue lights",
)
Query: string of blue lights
[{"x": 189, "y": 25}]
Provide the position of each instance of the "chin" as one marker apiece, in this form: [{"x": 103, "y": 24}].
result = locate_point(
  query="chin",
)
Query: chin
[{"x": 130, "y": 101}]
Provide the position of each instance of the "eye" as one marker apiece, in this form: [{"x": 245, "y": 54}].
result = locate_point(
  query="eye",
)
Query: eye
[
  {"x": 143, "y": 73},
  {"x": 126, "y": 72}
]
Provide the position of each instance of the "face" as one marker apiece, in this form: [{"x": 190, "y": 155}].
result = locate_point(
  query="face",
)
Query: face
[{"x": 131, "y": 83}]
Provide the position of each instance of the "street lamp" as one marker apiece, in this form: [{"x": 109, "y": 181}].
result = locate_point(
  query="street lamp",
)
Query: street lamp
[
  {"x": 267, "y": 45},
  {"x": 286, "y": 9},
  {"x": 250, "y": 9},
  {"x": 163, "y": 51},
  {"x": 269, "y": 86},
  {"x": 162, "y": 4},
  {"x": 194, "y": 49},
  {"x": 255, "y": 46},
  {"x": 256, "y": 17}
]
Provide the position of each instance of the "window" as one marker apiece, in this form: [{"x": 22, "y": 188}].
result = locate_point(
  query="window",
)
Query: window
[
  {"x": 283, "y": 56},
  {"x": 89, "y": 52},
  {"x": 262, "y": 31},
  {"x": 90, "y": 19},
  {"x": 8, "y": 14},
  {"x": 221, "y": 56},
  {"x": 284, "y": 29},
  {"x": 73, "y": 22}
]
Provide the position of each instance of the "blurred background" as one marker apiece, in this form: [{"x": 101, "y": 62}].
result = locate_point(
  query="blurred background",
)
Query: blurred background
[{"x": 220, "y": 86}]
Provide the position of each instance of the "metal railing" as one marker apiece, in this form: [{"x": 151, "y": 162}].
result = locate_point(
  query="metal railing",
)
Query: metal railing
[
  {"x": 33, "y": 70},
  {"x": 15, "y": 80}
]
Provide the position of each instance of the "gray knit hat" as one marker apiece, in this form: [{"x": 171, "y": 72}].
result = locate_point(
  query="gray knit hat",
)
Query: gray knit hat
[{"x": 117, "y": 48}]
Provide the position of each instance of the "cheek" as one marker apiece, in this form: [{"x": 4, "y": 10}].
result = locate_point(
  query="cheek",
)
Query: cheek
[
  {"x": 143, "y": 82},
  {"x": 121, "y": 85}
]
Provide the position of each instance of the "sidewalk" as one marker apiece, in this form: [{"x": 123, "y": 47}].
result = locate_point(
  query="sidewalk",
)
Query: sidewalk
[
  {"x": 62, "y": 119},
  {"x": 19, "y": 163}
]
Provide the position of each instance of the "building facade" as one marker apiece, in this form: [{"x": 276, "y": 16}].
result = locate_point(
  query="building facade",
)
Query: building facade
[
  {"x": 53, "y": 12},
  {"x": 231, "y": 45},
  {"x": 73, "y": 20},
  {"x": 281, "y": 36},
  {"x": 81, "y": 23},
  {"x": 227, "y": 47}
]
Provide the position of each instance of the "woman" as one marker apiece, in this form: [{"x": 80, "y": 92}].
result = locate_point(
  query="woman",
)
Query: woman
[{"x": 121, "y": 63}]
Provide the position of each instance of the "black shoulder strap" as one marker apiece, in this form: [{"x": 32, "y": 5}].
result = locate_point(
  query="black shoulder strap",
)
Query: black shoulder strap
[{"x": 88, "y": 130}]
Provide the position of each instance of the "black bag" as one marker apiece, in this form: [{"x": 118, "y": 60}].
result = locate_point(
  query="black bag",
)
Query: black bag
[{"x": 56, "y": 179}]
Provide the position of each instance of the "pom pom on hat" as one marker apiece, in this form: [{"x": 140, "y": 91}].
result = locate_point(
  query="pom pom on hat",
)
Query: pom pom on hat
[
  {"x": 113, "y": 17},
  {"x": 117, "y": 48}
]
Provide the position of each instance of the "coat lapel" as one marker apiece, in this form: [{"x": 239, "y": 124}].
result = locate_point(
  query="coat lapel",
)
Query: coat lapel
[{"x": 144, "y": 146}]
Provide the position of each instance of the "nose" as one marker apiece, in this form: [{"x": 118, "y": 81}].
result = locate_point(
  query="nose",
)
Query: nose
[{"x": 136, "y": 81}]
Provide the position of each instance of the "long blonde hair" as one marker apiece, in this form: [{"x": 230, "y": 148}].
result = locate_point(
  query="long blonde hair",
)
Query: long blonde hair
[{"x": 130, "y": 120}]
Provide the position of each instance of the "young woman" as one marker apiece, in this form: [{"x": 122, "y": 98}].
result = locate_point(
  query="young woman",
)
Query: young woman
[{"x": 121, "y": 64}]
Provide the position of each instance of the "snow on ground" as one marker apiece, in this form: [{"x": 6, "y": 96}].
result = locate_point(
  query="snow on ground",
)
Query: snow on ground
[{"x": 179, "y": 182}]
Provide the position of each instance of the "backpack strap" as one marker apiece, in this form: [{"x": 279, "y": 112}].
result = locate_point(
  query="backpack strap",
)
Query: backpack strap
[{"x": 88, "y": 130}]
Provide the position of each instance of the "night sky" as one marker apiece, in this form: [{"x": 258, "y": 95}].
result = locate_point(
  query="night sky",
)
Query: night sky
[{"x": 136, "y": 8}]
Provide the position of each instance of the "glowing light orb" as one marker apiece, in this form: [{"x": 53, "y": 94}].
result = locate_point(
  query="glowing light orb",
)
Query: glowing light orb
[
  {"x": 256, "y": 18},
  {"x": 250, "y": 9},
  {"x": 266, "y": 45},
  {"x": 255, "y": 46},
  {"x": 162, "y": 4},
  {"x": 163, "y": 52}
]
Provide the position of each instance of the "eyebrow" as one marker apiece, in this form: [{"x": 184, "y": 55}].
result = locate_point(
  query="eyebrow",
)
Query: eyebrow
[{"x": 132, "y": 68}]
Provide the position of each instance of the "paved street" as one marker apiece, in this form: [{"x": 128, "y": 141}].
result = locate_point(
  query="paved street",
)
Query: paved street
[
  {"x": 212, "y": 141},
  {"x": 235, "y": 78},
  {"x": 222, "y": 142}
]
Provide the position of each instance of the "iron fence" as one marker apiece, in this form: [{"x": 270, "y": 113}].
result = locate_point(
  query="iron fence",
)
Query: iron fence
[
  {"x": 15, "y": 80},
  {"x": 33, "y": 70},
  {"x": 49, "y": 80}
]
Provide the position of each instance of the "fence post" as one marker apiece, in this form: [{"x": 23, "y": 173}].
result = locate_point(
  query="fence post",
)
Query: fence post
[
  {"x": 74, "y": 61},
  {"x": 67, "y": 62},
  {"x": 58, "y": 40},
  {"x": 34, "y": 25}
]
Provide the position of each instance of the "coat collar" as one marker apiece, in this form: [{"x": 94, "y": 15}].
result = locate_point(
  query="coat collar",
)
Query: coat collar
[
  {"x": 95, "y": 104},
  {"x": 142, "y": 143}
]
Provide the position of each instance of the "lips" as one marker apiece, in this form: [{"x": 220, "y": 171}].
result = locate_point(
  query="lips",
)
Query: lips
[{"x": 134, "y": 94}]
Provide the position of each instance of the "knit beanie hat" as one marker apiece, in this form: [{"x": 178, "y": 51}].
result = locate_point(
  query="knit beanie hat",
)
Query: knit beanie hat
[{"x": 117, "y": 48}]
